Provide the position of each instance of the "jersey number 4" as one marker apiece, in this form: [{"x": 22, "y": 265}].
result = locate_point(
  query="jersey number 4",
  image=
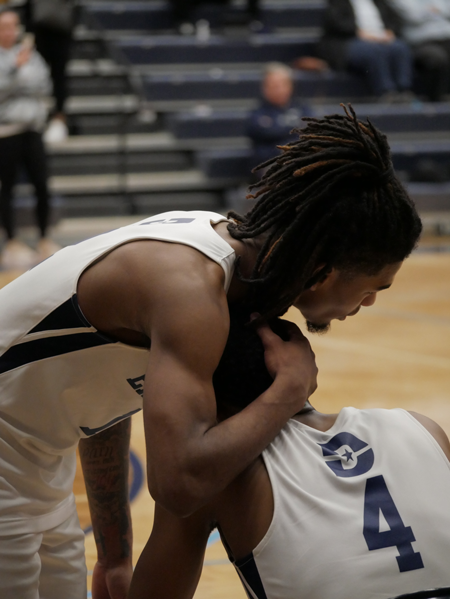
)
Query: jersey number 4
[{"x": 377, "y": 498}]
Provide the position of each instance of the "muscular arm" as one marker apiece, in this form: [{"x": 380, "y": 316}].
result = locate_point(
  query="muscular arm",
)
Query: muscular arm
[
  {"x": 105, "y": 459},
  {"x": 190, "y": 457},
  {"x": 175, "y": 296}
]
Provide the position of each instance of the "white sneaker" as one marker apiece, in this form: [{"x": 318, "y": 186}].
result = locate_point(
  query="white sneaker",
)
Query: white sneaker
[
  {"x": 17, "y": 255},
  {"x": 46, "y": 248},
  {"x": 56, "y": 132}
]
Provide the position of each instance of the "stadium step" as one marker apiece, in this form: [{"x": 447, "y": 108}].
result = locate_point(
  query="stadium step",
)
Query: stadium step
[
  {"x": 207, "y": 121},
  {"x": 408, "y": 157},
  {"x": 176, "y": 49},
  {"x": 156, "y": 16},
  {"x": 215, "y": 83}
]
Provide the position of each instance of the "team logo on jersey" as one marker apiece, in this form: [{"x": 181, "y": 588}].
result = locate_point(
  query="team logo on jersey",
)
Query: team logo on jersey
[
  {"x": 137, "y": 384},
  {"x": 347, "y": 456}
]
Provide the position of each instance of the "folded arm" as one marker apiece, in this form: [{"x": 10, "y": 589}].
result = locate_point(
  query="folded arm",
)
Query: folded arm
[{"x": 191, "y": 457}]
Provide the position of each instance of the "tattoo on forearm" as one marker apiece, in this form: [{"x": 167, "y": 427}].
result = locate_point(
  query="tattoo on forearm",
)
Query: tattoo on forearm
[{"x": 105, "y": 461}]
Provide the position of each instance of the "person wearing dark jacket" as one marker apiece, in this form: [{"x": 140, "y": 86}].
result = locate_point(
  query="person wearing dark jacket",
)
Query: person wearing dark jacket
[
  {"x": 361, "y": 36},
  {"x": 270, "y": 124}
]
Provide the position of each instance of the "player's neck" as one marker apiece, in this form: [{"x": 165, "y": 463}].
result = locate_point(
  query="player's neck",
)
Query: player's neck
[{"x": 311, "y": 417}]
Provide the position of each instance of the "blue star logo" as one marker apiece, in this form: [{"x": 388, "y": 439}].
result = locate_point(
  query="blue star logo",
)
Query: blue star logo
[
  {"x": 349, "y": 445},
  {"x": 348, "y": 455}
]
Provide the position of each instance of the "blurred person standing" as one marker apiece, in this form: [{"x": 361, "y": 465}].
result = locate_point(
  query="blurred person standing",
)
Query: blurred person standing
[
  {"x": 361, "y": 36},
  {"x": 52, "y": 22},
  {"x": 24, "y": 87},
  {"x": 426, "y": 28}
]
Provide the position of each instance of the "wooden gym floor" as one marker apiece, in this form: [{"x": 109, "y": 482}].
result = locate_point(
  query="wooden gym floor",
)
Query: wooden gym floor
[{"x": 394, "y": 354}]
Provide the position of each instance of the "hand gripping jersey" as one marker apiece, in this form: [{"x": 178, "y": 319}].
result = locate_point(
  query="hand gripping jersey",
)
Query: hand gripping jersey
[
  {"x": 361, "y": 511},
  {"x": 60, "y": 379}
]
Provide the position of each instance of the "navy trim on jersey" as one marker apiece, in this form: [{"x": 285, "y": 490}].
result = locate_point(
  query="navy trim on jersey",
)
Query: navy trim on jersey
[
  {"x": 66, "y": 316},
  {"x": 40, "y": 349},
  {"x": 443, "y": 592},
  {"x": 248, "y": 571},
  {"x": 93, "y": 431}
]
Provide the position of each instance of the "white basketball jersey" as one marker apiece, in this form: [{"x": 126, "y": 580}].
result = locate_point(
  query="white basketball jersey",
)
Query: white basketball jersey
[
  {"x": 60, "y": 379},
  {"x": 362, "y": 511}
]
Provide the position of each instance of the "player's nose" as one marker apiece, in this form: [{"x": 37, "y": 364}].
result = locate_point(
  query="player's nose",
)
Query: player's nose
[{"x": 369, "y": 300}]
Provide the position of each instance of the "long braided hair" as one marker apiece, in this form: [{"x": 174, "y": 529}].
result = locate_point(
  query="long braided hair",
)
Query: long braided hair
[{"x": 330, "y": 199}]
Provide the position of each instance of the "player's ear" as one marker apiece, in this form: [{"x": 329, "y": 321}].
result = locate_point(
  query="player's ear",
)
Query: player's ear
[{"x": 320, "y": 276}]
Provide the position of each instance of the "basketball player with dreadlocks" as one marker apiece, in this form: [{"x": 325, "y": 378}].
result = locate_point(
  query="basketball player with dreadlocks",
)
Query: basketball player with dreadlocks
[
  {"x": 81, "y": 332},
  {"x": 339, "y": 506}
]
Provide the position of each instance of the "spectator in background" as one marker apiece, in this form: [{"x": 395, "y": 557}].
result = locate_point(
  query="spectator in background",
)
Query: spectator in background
[
  {"x": 361, "y": 36},
  {"x": 426, "y": 28},
  {"x": 271, "y": 123},
  {"x": 52, "y": 22},
  {"x": 24, "y": 87}
]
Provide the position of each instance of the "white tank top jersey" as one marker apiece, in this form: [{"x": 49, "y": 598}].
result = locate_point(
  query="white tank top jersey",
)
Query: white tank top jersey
[
  {"x": 62, "y": 380},
  {"x": 362, "y": 511}
]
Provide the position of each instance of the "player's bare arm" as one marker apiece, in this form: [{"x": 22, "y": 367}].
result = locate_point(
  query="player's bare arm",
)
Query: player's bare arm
[
  {"x": 244, "y": 510},
  {"x": 177, "y": 299},
  {"x": 171, "y": 563},
  {"x": 105, "y": 461}
]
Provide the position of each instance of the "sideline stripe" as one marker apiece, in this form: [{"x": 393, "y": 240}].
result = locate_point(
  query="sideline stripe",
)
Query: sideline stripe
[{"x": 213, "y": 538}]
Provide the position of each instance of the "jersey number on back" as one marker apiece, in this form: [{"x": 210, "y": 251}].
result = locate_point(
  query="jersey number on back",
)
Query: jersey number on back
[{"x": 377, "y": 498}]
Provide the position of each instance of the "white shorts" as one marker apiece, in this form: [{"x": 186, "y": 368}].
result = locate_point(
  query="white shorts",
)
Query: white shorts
[{"x": 47, "y": 565}]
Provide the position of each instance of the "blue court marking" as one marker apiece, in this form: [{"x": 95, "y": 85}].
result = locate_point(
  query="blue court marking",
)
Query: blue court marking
[
  {"x": 213, "y": 537},
  {"x": 138, "y": 475}
]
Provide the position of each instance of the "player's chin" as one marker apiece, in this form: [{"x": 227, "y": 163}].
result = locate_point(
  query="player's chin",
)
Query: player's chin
[{"x": 319, "y": 328}]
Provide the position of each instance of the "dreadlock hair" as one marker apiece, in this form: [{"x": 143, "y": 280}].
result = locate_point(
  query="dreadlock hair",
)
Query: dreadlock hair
[
  {"x": 241, "y": 375},
  {"x": 330, "y": 199}
]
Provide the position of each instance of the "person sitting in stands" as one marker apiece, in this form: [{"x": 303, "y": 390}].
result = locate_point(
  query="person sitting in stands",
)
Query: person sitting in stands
[
  {"x": 361, "y": 36},
  {"x": 426, "y": 28},
  {"x": 270, "y": 124}
]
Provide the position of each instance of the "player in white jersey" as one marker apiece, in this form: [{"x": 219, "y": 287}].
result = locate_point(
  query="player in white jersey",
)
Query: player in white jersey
[
  {"x": 349, "y": 505},
  {"x": 82, "y": 330}
]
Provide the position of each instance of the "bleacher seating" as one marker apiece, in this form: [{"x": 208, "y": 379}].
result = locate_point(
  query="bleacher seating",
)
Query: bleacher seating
[
  {"x": 160, "y": 119},
  {"x": 155, "y": 15}
]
